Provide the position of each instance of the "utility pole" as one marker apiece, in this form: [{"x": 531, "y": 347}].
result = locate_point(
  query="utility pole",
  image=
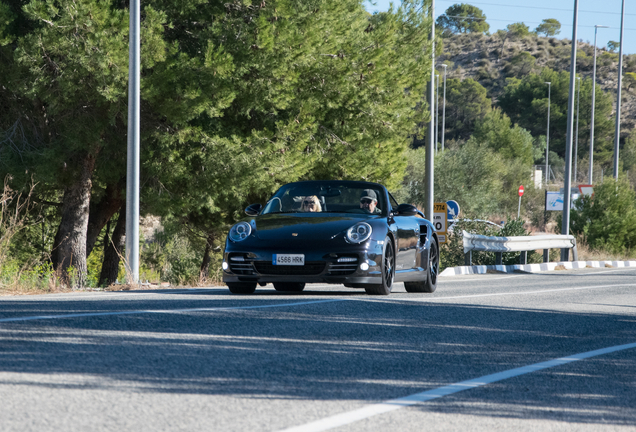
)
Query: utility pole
[
  {"x": 132, "y": 162},
  {"x": 436, "y": 113},
  {"x": 576, "y": 145},
  {"x": 430, "y": 133},
  {"x": 565, "y": 221},
  {"x": 617, "y": 133},
  {"x": 547, "y": 139},
  {"x": 591, "y": 170},
  {"x": 444, "y": 108}
]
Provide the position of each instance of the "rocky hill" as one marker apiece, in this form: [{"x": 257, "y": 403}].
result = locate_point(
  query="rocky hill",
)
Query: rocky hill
[{"x": 490, "y": 60}]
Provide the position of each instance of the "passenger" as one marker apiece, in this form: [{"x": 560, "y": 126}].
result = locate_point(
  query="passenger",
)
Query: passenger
[
  {"x": 369, "y": 201},
  {"x": 311, "y": 204}
]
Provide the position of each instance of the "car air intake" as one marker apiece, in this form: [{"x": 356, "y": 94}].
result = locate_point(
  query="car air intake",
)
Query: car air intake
[
  {"x": 310, "y": 268},
  {"x": 240, "y": 265},
  {"x": 344, "y": 265}
]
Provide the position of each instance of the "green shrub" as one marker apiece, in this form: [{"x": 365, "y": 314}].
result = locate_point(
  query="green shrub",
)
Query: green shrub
[{"x": 607, "y": 220}]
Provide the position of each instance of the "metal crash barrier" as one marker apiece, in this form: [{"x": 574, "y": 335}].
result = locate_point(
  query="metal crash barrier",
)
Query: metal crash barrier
[{"x": 523, "y": 244}]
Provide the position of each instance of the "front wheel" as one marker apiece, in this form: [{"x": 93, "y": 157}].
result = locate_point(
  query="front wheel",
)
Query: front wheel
[
  {"x": 241, "y": 287},
  {"x": 430, "y": 284},
  {"x": 388, "y": 271},
  {"x": 289, "y": 286}
]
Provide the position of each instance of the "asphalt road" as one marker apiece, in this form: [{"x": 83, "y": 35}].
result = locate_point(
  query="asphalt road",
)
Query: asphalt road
[{"x": 550, "y": 351}]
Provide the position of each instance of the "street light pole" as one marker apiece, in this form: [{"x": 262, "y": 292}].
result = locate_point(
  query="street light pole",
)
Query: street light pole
[
  {"x": 617, "y": 133},
  {"x": 591, "y": 170},
  {"x": 565, "y": 220},
  {"x": 576, "y": 145},
  {"x": 430, "y": 135},
  {"x": 444, "y": 108},
  {"x": 132, "y": 161},
  {"x": 547, "y": 139}
]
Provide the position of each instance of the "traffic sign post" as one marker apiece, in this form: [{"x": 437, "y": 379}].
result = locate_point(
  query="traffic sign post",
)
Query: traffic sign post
[
  {"x": 521, "y": 191},
  {"x": 440, "y": 215}
]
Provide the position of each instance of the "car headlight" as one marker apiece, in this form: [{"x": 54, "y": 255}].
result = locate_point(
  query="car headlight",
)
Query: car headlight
[
  {"x": 359, "y": 232},
  {"x": 240, "y": 231}
]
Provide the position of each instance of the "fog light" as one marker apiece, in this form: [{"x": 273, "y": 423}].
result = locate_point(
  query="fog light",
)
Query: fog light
[
  {"x": 364, "y": 266},
  {"x": 225, "y": 266}
]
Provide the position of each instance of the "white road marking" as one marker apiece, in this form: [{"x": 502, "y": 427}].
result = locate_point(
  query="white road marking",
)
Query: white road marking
[
  {"x": 605, "y": 271},
  {"x": 432, "y": 299},
  {"x": 81, "y": 295},
  {"x": 395, "y": 404},
  {"x": 479, "y": 279},
  {"x": 213, "y": 309},
  {"x": 456, "y": 279},
  {"x": 165, "y": 311}
]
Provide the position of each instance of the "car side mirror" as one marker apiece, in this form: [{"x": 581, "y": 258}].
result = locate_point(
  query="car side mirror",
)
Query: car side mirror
[
  {"x": 253, "y": 209},
  {"x": 406, "y": 210}
]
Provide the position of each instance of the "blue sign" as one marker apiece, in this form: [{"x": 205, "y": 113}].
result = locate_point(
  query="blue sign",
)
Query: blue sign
[{"x": 452, "y": 209}]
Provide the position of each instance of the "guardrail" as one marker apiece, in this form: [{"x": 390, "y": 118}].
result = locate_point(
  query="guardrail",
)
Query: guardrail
[{"x": 523, "y": 244}]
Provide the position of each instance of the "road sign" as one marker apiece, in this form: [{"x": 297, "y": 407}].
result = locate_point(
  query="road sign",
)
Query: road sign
[
  {"x": 440, "y": 213},
  {"x": 520, "y": 195},
  {"x": 586, "y": 190},
  {"x": 453, "y": 209},
  {"x": 553, "y": 201}
]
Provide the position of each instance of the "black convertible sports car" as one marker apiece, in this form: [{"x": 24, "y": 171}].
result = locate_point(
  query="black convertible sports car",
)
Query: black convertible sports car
[{"x": 344, "y": 232}]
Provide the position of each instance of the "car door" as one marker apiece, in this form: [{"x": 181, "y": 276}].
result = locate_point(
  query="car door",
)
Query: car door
[{"x": 408, "y": 232}]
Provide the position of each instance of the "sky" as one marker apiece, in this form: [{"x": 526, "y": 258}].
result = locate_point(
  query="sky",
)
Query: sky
[{"x": 500, "y": 13}]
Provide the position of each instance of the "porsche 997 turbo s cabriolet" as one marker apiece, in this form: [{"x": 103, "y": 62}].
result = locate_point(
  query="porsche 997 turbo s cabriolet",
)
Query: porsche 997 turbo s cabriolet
[{"x": 342, "y": 232}]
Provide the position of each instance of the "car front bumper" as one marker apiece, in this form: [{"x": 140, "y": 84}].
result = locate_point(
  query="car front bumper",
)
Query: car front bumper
[{"x": 346, "y": 265}]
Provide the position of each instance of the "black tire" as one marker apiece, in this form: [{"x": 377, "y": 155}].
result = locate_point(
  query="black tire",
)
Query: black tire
[
  {"x": 289, "y": 286},
  {"x": 388, "y": 271},
  {"x": 241, "y": 287},
  {"x": 430, "y": 284}
]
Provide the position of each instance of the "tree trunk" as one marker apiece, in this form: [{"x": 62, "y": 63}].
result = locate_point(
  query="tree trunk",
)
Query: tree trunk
[
  {"x": 69, "y": 249},
  {"x": 102, "y": 212},
  {"x": 205, "y": 264},
  {"x": 113, "y": 250}
]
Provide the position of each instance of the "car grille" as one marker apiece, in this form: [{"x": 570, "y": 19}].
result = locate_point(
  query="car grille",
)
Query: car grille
[
  {"x": 310, "y": 268},
  {"x": 343, "y": 268}
]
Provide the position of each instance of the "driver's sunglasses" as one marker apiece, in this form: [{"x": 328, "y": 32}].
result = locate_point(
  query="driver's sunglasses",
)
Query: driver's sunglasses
[
  {"x": 307, "y": 203},
  {"x": 366, "y": 201}
]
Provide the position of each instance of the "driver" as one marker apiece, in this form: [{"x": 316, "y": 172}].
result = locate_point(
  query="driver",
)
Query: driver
[
  {"x": 311, "y": 204},
  {"x": 369, "y": 201}
]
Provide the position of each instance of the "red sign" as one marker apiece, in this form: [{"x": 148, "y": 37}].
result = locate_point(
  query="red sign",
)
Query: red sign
[{"x": 521, "y": 190}]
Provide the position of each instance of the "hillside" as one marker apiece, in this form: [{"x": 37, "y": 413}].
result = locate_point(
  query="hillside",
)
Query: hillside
[{"x": 490, "y": 61}]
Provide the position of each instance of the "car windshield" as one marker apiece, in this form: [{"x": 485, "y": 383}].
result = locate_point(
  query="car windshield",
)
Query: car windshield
[{"x": 328, "y": 197}]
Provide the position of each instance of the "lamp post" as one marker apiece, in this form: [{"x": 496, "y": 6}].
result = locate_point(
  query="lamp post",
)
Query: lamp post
[
  {"x": 444, "y": 108},
  {"x": 591, "y": 170},
  {"x": 565, "y": 219},
  {"x": 576, "y": 139},
  {"x": 617, "y": 133},
  {"x": 430, "y": 137},
  {"x": 547, "y": 139},
  {"x": 133, "y": 157}
]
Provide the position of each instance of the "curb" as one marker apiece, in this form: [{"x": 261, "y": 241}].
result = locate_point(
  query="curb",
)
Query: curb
[{"x": 535, "y": 268}]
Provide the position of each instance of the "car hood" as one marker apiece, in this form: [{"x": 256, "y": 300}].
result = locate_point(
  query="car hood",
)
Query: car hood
[{"x": 304, "y": 226}]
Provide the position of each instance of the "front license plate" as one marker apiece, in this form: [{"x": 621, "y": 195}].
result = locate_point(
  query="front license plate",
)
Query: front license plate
[{"x": 288, "y": 259}]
